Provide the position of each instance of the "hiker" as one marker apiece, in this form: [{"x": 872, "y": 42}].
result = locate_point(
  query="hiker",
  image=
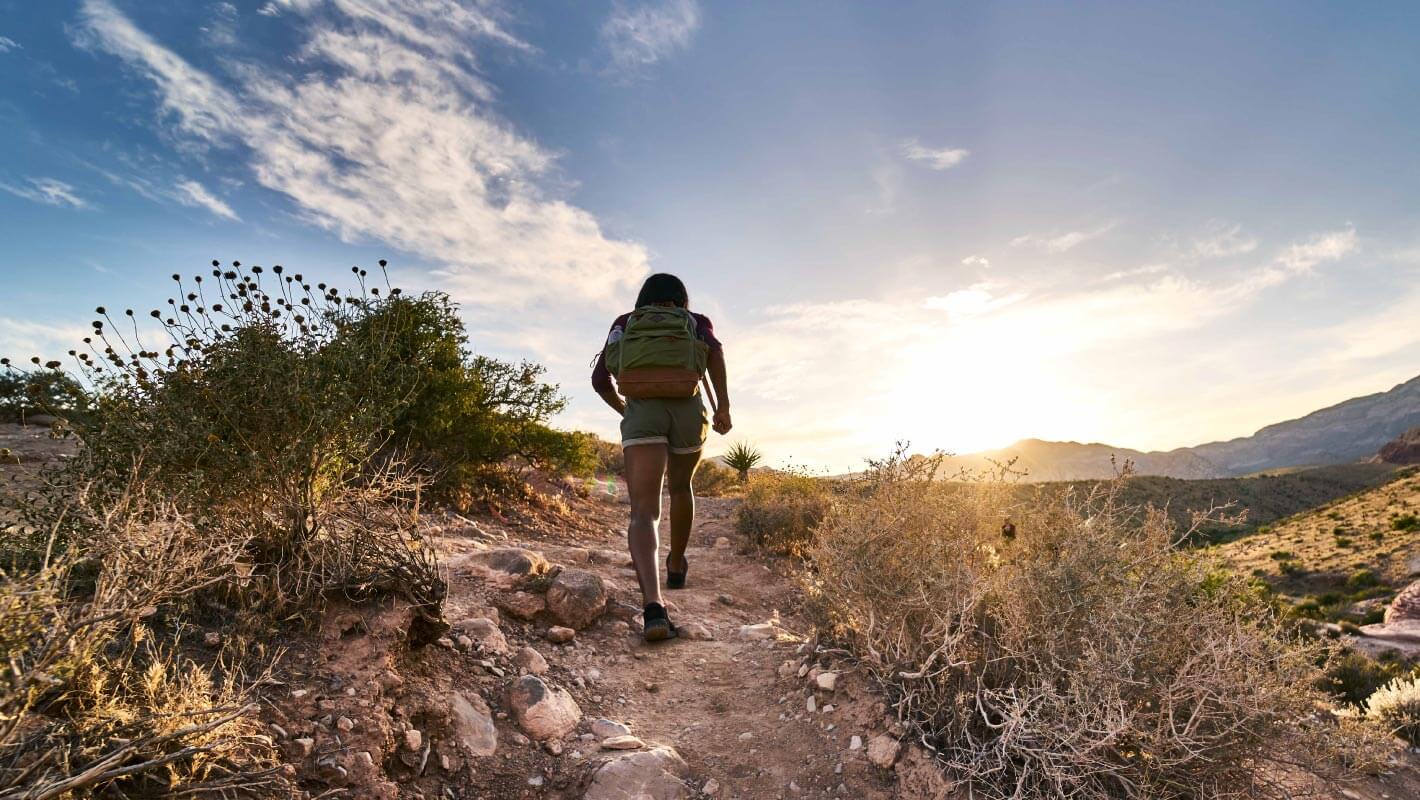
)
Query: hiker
[{"x": 659, "y": 355}]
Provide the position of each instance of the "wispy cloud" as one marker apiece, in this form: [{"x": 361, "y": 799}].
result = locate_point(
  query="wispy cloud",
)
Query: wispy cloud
[
  {"x": 938, "y": 158},
  {"x": 977, "y": 261},
  {"x": 1223, "y": 241},
  {"x": 1330, "y": 246},
  {"x": 48, "y": 191},
  {"x": 194, "y": 194},
  {"x": 7, "y": 44},
  {"x": 638, "y": 34},
  {"x": 393, "y": 138},
  {"x": 1062, "y": 242}
]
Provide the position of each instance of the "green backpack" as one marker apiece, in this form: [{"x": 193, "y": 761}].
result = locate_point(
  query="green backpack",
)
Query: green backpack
[{"x": 658, "y": 354}]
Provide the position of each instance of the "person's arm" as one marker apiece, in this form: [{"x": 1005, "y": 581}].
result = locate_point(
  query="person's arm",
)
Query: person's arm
[
  {"x": 601, "y": 382},
  {"x": 716, "y": 364}
]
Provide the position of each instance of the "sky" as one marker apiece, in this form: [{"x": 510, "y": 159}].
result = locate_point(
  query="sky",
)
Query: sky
[{"x": 958, "y": 225}]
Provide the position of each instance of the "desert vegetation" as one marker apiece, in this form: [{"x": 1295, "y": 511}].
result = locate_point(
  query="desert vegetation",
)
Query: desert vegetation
[{"x": 260, "y": 446}]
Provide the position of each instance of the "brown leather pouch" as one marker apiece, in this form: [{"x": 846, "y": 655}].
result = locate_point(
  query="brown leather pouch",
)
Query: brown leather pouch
[{"x": 662, "y": 382}]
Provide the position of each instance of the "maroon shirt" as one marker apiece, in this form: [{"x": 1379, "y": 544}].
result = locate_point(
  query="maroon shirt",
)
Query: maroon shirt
[{"x": 601, "y": 376}]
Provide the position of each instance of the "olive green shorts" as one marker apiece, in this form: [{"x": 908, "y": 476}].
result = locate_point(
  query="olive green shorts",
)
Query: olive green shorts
[{"x": 681, "y": 423}]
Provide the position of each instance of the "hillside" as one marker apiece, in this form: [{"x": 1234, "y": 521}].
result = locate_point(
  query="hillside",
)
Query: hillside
[
  {"x": 1262, "y": 498},
  {"x": 1404, "y": 449},
  {"x": 1363, "y": 547},
  {"x": 1349, "y": 431}
]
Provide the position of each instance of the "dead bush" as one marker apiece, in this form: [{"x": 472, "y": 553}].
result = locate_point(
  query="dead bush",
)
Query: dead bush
[
  {"x": 1087, "y": 658},
  {"x": 781, "y": 510},
  {"x": 713, "y": 479}
]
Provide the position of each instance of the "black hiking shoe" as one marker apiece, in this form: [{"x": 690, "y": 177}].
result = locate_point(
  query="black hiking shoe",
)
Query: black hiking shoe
[
  {"x": 657, "y": 626},
  {"x": 676, "y": 580}
]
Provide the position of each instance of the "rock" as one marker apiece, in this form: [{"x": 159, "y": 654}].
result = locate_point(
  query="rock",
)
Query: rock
[
  {"x": 696, "y": 632},
  {"x": 522, "y": 605},
  {"x": 655, "y": 774},
  {"x": 711, "y": 788},
  {"x": 462, "y": 642},
  {"x": 485, "y": 633},
  {"x": 345, "y": 724},
  {"x": 722, "y": 542},
  {"x": 542, "y": 711},
  {"x": 761, "y": 630},
  {"x": 856, "y": 743},
  {"x": 811, "y": 705},
  {"x": 472, "y": 724},
  {"x": 1405, "y": 606},
  {"x": 727, "y": 599},
  {"x": 1403, "y": 450},
  {"x": 560, "y": 635},
  {"x": 530, "y": 660},
  {"x": 212, "y": 639},
  {"x": 606, "y": 728},
  {"x": 827, "y": 681},
  {"x": 509, "y": 566},
  {"x": 883, "y": 750},
  {"x": 413, "y": 739},
  {"x": 625, "y": 742},
  {"x": 577, "y": 598},
  {"x": 305, "y": 746}
]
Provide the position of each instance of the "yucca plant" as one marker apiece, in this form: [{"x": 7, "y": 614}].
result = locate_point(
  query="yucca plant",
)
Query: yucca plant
[{"x": 742, "y": 458}]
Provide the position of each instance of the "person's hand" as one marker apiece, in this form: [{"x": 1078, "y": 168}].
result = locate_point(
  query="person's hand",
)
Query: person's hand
[{"x": 722, "y": 424}]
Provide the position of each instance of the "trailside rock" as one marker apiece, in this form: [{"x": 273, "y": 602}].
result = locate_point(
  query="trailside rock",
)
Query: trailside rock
[
  {"x": 472, "y": 724},
  {"x": 530, "y": 660},
  {"x": 606, "y": 728},
  {"x": 695, "y": 631},
  {"x": 542, "y": 711},
  {"x": 883, "y": 750},
  {"x": 485, "y": 633},
  {"x": 762, "y": 630},
  {"x": 1406, "y": 605},
  {"x": 509, "y": 566},
  {"x": 560, "y": 635},
  {"x": 522, "y": 605},
  {"x": 827, "y": 681},
  {"x": 577, "y": 598},
  {"x": 655, "y": 774}
]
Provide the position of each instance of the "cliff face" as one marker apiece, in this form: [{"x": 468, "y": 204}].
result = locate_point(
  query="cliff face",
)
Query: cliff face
[{"x": 1403, "y": 450}]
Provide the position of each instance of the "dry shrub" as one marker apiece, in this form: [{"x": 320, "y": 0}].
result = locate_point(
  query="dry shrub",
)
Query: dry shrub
[
  {"x": 1396, "y": 706},
  {"x": 1088, "y": 658},
  {"x": 90, "y": 697},
  {"x": 781, "y": 510},
  {"x": 713, "y": 479}
]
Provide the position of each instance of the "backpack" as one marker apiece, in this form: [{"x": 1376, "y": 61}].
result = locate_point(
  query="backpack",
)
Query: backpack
[{"x": 658, "y": 354}]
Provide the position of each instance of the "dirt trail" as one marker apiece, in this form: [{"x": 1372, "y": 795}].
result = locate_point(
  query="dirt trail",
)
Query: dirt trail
[{"x": 734, "y": 710}]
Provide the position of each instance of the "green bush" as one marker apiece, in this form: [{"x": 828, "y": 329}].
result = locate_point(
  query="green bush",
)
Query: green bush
[
  {"x": 1351, "y": 677},
  {"x": 781, "y": 509},
  {"x": 23, "y": 395},
  {"x": 1405, "y": 522}
]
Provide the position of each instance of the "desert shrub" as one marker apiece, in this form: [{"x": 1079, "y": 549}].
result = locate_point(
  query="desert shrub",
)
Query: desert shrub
[
  {"x": 713, "y": 479},
  {"x": 1396, "y": 706},
  {"x": 1089, "y": 658},
  {"x": 611, "y": 459},
  {"x": 742, "y": 458},
  {"x": 23, "y": 395},
  {"x": 1405, "y": 522},
  {"x": 781, "y": 509}
]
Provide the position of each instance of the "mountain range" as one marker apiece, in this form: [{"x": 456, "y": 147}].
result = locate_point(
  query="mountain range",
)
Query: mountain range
[{"x": 1349, "y": 431}]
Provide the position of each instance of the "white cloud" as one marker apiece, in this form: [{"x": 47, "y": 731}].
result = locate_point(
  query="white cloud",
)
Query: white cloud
[
  {"x": 1302, "y": 257},
  {"x": 194, "y": 194},
  {"x": 48, "y": 191},
  {"x": 1062, "y": 242},
  {"x": 394, "y": 139},
  {"x": 22, "y": 339},
  {"x": 1223, "y": 241},
  {"x": 973, "y": 301},
  {"x": 640, "y": 34},
  {"x": 977, "y": 261},
  {"x": 221, "y": 32},
  {"x": 7, "y": 44},
  {"x": 938, "y": 158}
]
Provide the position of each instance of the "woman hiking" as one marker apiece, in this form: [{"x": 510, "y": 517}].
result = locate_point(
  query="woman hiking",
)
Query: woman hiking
[{"x": 659, "y": 355}]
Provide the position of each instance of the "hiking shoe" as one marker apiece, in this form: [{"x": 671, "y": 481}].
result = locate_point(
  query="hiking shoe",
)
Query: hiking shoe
[
  {"x": 657, "y": 626},
  {"x": 676, "y": 580}
]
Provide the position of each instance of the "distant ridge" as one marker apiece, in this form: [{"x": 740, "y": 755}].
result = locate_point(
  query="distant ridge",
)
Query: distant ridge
[{"x": 1352, "y": 430}]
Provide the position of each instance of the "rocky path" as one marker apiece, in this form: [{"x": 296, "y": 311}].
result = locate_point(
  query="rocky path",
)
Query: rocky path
[{"x": 741, "y": 707}]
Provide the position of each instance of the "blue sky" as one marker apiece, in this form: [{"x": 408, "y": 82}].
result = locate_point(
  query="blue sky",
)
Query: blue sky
[{"x": 1147, "y": 224}]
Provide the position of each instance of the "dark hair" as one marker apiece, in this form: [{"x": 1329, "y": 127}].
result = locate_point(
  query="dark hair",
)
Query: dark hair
[{"x": 663, "y": 288}]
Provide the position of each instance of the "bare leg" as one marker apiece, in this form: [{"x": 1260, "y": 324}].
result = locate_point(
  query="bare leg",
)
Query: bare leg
[
  {"x": 679, "y": 473},
  {"x": 645, "y": 466}
]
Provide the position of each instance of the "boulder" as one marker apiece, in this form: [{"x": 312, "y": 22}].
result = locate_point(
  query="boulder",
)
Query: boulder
[
  {"x": 472, "y": 724},
  {"x": 542, "y": 711},
  {"x": 655, "y": 774},
  {"x": 509, "y": 566},
  {"x": 521, "y": 605},
  {"x": 485, "y": 633},
  {"x": 531, "y": 660},
  {"x": 1406, "y": 605},
  {"x": 577, "y": 598}
]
